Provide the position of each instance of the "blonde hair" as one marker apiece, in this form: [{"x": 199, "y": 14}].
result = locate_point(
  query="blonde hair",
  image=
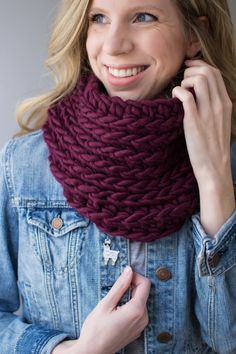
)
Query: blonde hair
[{"x": 68, "y": 59}]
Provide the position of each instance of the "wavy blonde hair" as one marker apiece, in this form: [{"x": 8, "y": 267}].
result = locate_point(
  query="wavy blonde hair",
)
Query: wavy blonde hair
[{"x": 68, "y": 58}]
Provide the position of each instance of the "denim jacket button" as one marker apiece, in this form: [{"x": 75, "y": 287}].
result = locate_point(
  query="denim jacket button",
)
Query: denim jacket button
[
  {"x": 164, "y": 337},
  {"x": 57, "y": 223},
  {"x": 163, "y": 274}
]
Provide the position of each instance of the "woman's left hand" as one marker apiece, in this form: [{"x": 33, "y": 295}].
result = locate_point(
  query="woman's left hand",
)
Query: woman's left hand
[{"x": 207, "y": 128}]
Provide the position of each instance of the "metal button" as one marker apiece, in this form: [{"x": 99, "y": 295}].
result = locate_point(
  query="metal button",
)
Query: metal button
[
  {"x": 163, "y": 274},
  {"x": 164, "y": 337},
  {"x": 214, "y": 261},
  {"x": 57, "y": 223}
]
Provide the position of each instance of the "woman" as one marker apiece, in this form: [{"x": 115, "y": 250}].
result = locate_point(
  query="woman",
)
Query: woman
[{"x": 128, "y": 167}]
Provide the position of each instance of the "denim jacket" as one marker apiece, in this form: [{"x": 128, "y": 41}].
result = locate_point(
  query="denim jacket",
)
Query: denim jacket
[{"x": 52, "y": 262}]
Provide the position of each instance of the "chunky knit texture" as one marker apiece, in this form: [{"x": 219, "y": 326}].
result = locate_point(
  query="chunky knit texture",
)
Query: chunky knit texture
[{"x": 122, "y": 164}]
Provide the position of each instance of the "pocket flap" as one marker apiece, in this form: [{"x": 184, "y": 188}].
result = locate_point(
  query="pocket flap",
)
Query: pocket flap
[{"x": 56, "y": 221}]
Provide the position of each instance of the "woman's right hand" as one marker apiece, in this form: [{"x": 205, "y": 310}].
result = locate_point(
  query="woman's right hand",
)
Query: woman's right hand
[{"x": 109, "y": 327}]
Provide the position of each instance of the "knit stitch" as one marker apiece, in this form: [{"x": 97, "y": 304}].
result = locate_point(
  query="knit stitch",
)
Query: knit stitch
[{"x": 122, "y": 164}]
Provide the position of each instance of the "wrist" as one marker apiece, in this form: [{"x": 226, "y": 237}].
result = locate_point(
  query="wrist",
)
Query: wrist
[
  {"x": 68, "y": 347},
  {"x": 214, "y": 176},
  {"x": 80, "y": 348},
  {"x": 217, "y": 202},
  {"x": 83, "y": 348}
]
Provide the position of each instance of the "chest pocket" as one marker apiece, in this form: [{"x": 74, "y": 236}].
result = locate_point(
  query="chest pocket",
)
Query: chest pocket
[{"x": 56, "y": 236}]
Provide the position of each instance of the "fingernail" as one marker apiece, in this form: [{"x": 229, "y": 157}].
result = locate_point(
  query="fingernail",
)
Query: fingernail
[{"x": 127, "y": 270}]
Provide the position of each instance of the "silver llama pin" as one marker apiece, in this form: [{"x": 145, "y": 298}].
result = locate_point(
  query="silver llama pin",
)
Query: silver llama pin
[{"x": 108, "y": 253}]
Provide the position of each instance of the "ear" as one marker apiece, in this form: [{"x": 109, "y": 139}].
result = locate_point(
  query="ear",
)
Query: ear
[{"x": 194, "y": 45}]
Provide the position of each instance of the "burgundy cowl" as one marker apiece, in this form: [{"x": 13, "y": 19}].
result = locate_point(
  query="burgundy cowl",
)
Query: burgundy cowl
[{"x": 122, "y": 164}]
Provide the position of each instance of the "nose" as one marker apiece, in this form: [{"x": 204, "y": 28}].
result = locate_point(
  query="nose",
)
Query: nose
[{"x": 117, "y": 40}]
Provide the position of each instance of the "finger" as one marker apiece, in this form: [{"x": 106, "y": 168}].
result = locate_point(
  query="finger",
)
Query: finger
[
  {"x": 141, "y": 289},
  {"x": 186, "y": 97},
  {"x": 221, "y": 104},
  {"x": 213, "y": 75},
  {"x": 201, "y": 88},
  {"x": 118, "y": 289},
  {"x": 195, "y": 62},
  {"x": 209, "y": 80}
]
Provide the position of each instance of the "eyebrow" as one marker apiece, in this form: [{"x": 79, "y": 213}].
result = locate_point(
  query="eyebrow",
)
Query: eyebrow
[
  {"x": 146, "y": 7},
  {"x": 135, "y": 9}
]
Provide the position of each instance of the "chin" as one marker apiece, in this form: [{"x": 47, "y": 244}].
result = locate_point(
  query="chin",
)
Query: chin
[{"x": 129, "y": 96}]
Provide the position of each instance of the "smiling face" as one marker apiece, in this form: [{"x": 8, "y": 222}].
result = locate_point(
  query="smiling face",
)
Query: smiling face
[{"x": 136, "y": 47}]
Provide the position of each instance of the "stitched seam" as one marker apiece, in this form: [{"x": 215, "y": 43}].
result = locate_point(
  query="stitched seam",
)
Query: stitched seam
[
  {"x": 73, "y": 283},
  {"x": 39, "y": 342},
  {"x": 211, "y": 311},
  {"x": 7, "y": 175},
  {"x": 8, "y": 178}
]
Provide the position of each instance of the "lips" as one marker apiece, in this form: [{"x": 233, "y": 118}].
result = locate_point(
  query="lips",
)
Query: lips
[{"x": 124, "y": 76}]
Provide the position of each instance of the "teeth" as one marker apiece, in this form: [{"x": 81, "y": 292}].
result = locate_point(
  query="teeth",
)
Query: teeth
[
  {"x": 135, "y": 71},
  {"x": 125, "y": 73}
]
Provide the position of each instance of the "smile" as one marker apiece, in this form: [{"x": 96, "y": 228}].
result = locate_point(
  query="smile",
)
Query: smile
[{"x": 126, "y": 72}]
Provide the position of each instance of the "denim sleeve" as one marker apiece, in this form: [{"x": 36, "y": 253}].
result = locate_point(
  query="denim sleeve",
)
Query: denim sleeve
[
  {"x": 215, "y": 281},
  {"x": 16, "y": 336}
]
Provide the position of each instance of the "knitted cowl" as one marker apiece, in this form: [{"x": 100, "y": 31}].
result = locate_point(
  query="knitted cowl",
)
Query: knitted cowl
[{"x": 122, "y": 164}]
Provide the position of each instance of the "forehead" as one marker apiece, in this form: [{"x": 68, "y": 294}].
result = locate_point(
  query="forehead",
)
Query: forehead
[{"x": 131, "y": 4}]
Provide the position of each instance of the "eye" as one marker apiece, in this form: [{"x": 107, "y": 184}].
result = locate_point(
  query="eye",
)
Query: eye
[
  {"x": 145, "y": 17},
  {"x": 98, "y": 18}
]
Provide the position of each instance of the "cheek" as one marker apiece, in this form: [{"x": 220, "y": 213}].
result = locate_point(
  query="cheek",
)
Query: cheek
[
  {"x": 177, "y": 47},
  {"x": 166, "y": 46},
  {"x": 91, "y": 44},
  {"x": 88, "y": 46},
  {"x": 158, "y": 47}
]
